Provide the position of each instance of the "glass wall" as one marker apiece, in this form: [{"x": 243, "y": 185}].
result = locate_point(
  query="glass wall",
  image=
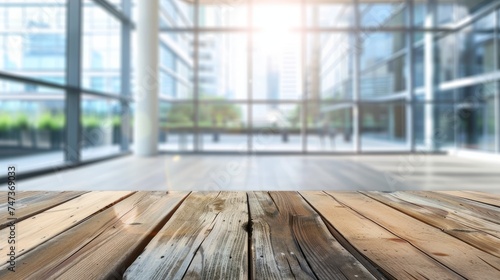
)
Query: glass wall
[
  {"x": 253, "y": 76},
  {"x": 45, "y": 89},
  {"x": 314, "y": 76}
]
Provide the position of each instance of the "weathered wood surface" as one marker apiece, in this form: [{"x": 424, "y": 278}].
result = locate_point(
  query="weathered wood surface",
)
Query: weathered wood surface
[
  {"x": 101, "y": 247},
  {"x": 206, "y": 238},
  {"x": 28, "y": 204},
  {"x": 44, "y": 226},
  {"x": 290, "y": 241},
  {"x": 461, "y": 257},
  {"x": 210, "y": 235},
  {"x": 396, "y": 257},
  {"x": 472, "y": 230},
  {"x": 463, "y": 206},
  {"x": 488, "y": 198}
]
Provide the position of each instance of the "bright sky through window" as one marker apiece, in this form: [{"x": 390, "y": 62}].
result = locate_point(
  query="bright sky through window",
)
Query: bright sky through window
[{"x": 276, "y": 23}]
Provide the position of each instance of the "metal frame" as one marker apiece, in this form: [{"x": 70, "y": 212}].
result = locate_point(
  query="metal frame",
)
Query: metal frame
[
  {"x": 497, "y": 93},
  {"x": 73, "y": 88},
  {"x": 73, "y": 79}
]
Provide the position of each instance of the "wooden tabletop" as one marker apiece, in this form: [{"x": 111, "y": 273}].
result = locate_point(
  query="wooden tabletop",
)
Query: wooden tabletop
[{"x": 251, "y": 235}]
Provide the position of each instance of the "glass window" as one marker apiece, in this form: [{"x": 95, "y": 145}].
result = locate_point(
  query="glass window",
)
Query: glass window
[
  {"x": 101, "y": 127},
  {"x": 223, "y": 66},
  {"x": 33, "y": 39},
  {"x": 176, "y": 66},
  {"x": 176, "y": 13},
  {"x": 380, "y": 46},
  {"x": 276, "y": 127},
  {"x": 277, "y": 73},
  {"x": 476, "y": 47},
  {"x": 382, "y": 14},
  {"x": 32, "y": 125},
  {"x": 329, "y": 66},
  {"x": 177, "y": 128},
  {"x": 101, "y": 49},
  {"x": 329, "y": 127},
  {"x": 385, "y": 79},
  {"x": 383, "y": 127},
  {"x": 224, "y": 14},
  {"x": 223, "y": 126},
  {"x": 329, "y": 15},
  {"x": 276, "y": 17}
]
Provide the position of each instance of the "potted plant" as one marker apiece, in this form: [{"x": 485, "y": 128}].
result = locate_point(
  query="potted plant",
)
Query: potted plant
[
  {"x": 91, "y": 133},
  {"x": 56, "y": 131},
  {"x": 21, "y": 128},
  {"x": 5, "y": 126},
  {"x": 50, "y": 127},
  {"x": 116, "y": 123},
  {"x": 44, "y": 127}
]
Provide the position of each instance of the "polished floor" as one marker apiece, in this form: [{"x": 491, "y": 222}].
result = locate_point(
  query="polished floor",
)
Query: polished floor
[{"x": 265, "y": 172}]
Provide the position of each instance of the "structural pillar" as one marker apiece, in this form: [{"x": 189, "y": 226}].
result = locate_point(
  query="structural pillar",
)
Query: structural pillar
[
  {"x": 146, "y": 121},
  {"x": 73, "y": 79},
  {"x": 126, "y": 75},
  {"x": 430, "y": 78},
  {"x": 497, "y": 83},
  {"x": 410, "y": 78},
  {"x": 356, "y": 108}
]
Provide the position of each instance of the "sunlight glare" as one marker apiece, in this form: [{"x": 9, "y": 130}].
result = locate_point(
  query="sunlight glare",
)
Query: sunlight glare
[{"x": 276, "y": 22}]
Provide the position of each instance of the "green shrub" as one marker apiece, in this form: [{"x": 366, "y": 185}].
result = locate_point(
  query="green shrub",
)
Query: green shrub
[
  {"x": 91, "y": 122},
  {"x": 116, "y": 121},
  {"x": 47, "y": 121},
  {"x": 22, "y": 122},
  {"x": 5, "y": 122},
  {"x": 58, "y": 122}
]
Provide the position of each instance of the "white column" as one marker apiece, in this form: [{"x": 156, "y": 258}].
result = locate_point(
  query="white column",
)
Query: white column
[
  {"x": 410, "y": 78},
  {"x": 429, "y": 79},
  {"x": 146, "y": 123},
  {"x": 356, "y": 114}
]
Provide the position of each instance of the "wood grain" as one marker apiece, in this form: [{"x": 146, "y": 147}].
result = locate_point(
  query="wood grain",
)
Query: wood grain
[
  {"x": 44, "y": 226},
  {"x": 396, "y": 257},
  {"x": 103, "y": 246},
  {"x": 206, "y": 238},
  {"x": 467, "y": 229},
  {"x": 28, "y": 204},
  {"x": 290, "y": 241},
  {"x": 275, "y": 253},
  {"x": 460, "y": 257},
  {"x": 463, "y": 205},
  {"x": 488, "y": 198}
]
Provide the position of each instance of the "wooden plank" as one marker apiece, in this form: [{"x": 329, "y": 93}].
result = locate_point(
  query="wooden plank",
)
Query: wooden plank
[
  {"x": 460, "y": 257},
  {"x": 20, "y": 195},
  {"x": 28, "y": 204},
  {"x": 462, "y": 226},
  {"x": 289, "y": 240},
  {"x": 44, "y": 226},
  {"x": 274, "y": 252},
  {"x": 206, "y": 238},
  {"x": 463, "y": 205},
  {"x": 396, "y": 257},
  {"x": 103, "y": 246},
  {"x": 488, "y": 198}
]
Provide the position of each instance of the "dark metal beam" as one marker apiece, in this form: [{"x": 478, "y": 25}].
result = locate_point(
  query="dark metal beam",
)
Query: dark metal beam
[{"x": 73, "y": 80}]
